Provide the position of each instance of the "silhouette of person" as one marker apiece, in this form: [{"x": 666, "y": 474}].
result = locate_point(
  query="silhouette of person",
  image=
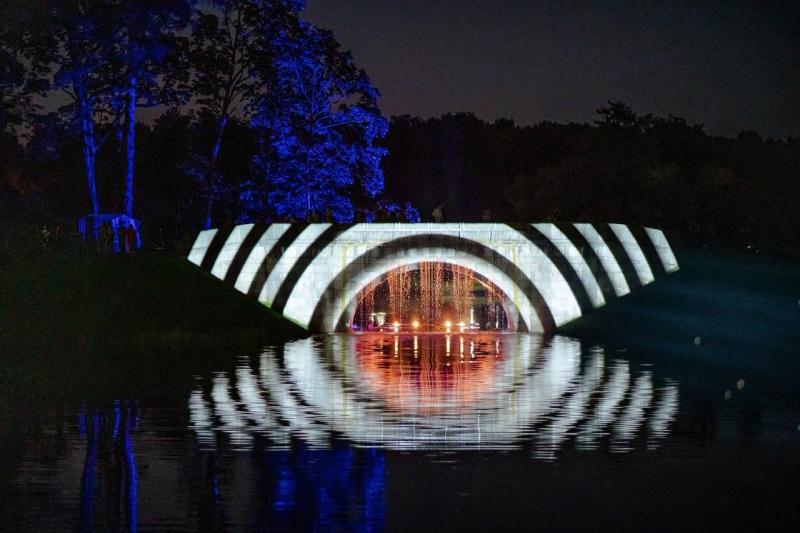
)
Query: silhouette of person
[
  {"x": 437, "y": 214},
  {"x": 104, "y": 242},
  {"x": 130, "y": 238}
]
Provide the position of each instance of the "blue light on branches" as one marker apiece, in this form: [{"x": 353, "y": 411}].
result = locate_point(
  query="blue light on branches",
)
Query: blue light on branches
[{"x": 319, "y": 124}]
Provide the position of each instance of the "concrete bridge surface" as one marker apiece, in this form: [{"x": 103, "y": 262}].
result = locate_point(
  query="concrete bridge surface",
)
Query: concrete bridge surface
[{"x": 549, "y": 273}]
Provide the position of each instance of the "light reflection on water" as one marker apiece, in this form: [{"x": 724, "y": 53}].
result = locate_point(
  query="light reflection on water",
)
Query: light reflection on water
[
  {"x": 360, "y": 432},
  {"x": 436, "y": 392}
]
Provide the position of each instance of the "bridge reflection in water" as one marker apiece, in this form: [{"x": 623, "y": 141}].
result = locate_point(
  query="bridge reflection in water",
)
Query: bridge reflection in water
[{"x": 434, "y": 391}]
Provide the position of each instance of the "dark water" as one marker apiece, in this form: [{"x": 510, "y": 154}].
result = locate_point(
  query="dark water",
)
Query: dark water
[{"x": 428, "y": 432}]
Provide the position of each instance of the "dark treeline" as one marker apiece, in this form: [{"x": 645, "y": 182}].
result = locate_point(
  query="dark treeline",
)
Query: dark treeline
[
  {"x": 46, "y": 177},
  {"x": 190, "y": 114},
  {"x": 630, "y": 168},
  {"x": 650, "y": 171}
]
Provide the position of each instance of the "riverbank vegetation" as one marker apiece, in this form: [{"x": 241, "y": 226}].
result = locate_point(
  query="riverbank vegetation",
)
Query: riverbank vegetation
[
  {"x": 625, "y": 167},
  {"x": 142, "y": 302},
  {"x": 214, "y": 148}
]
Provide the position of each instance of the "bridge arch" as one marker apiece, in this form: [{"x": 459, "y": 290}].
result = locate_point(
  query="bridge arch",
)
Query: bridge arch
[
  {"x": 509, "y": 308},
  {"x": 333, "y": 302},
  {"x": 549, "y": 273}
]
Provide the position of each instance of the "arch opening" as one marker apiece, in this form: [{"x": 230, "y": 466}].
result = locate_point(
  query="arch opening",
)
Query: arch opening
[
  {"x": 324, "y": 291},
  {"x": 337, "y": 304},
  {"x": 430, "y": 296}
]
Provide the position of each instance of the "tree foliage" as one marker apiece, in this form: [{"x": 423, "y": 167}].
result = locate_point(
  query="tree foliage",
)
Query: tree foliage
[
  {"x": 304, "y": 138},
  {"x": 144, "y": 38},
  {"x": 251, "y": 63},
  {"x": 231, "y": 51},
  {"x": 319, "y": 124},
  {"x": 76, "y": 38},
  {"x": 627, "y": 167},
  {"x": 12, "y": 80}
]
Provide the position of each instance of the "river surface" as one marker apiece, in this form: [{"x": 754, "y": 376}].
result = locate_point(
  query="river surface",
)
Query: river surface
[{"x": 417, "y": 432}]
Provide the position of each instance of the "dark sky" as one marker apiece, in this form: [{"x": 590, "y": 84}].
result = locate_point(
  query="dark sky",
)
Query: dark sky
[{"x": 727, "y": 65}]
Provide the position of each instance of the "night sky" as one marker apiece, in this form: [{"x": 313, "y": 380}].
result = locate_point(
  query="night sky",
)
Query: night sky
[{"x": 727, "y": 65}]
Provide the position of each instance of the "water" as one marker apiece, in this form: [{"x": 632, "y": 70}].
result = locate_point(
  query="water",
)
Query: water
[{"x": 434, "y": 432}]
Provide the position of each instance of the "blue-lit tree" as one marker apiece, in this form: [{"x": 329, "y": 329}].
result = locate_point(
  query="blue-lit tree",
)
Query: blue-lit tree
[
  {"x": 318, "y": 124},
  {"x": 231, "y": 50},
  {"x": 144, "y": 37},
  {"x": 110, "y": 56},
  {"x": 70, "y": 45},
  {"x": 72, "y": 37},
  {"x": 77, "y": 39}
]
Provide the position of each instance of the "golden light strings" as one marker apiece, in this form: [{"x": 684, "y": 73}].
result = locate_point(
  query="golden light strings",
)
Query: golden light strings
[
  {"x": 438, "y": 292},
  {"x": 425, "y": 293},
  {"x": 366, "y": 303},
  {"x": 462, "y": 293},
  {"x": 492, "y": 300},
  {"x": 399, "y": 283},
  {"x": 429, "y": 296},
  {"x": 393, "y": 281}
]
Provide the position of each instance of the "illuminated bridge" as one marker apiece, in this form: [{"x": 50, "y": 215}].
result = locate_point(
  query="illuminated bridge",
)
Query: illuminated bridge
[{"x": 549, "y": 274}]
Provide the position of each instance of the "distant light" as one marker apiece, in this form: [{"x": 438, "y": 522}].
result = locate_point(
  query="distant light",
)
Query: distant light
[
  {"x": 415, "y": 324},
  {"x": 396, "y": 326}
]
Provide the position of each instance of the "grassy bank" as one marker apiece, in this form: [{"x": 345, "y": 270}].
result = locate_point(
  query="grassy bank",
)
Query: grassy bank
[
  {"x": 147, "y": 301},
  {"x": 723, "y": 309},
  {"x": 75, "y": 327}
]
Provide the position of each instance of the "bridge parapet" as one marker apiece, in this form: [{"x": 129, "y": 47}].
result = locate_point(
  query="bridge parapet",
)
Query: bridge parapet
[{"x": 549, "y": 273}]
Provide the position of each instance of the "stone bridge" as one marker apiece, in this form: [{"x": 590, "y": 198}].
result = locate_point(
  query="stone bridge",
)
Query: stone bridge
[{"x": 549, "y": 273}]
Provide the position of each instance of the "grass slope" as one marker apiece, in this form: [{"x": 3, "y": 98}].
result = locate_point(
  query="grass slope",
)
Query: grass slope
[
  {"x": 722, "y": 308},
  {"x": 120, "y": 302},
  {"x": 87, "y": 329}
]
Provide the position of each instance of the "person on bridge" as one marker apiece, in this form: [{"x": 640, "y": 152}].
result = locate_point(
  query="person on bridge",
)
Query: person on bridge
[{"x": 438, "y": 215}]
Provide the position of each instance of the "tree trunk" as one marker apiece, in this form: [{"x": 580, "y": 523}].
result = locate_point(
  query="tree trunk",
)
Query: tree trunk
[
  {"x": 89, "y": 146},
  {"x": 212, "y": 167},
  {"x": 130, "y": 145}
]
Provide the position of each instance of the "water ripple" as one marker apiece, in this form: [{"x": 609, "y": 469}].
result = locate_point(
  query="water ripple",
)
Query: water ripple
[{"x": 436, "y": 392}]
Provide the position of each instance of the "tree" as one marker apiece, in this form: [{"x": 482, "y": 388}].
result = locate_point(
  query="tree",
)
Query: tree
[
  {"x": 232, "y": 47},
  {"x": 13, "y": 100},
  {"x": 53, "y": 162},
  {"x": 170, "y": 200},
  {"x": 144, "y": 37},
  {"x": 620, "y": 114},
  {"x": 76, "y": 37},
  {"x": 318, "y": 124}
]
